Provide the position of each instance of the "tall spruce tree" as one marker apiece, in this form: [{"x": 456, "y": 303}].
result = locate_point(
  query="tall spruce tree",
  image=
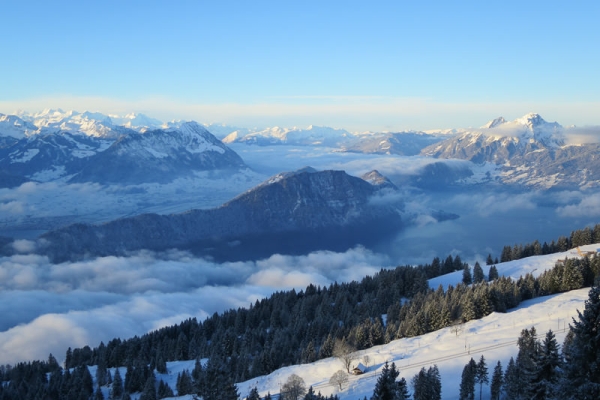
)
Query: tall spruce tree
[
  {"x": 478, "y": 275},
  {"x": 511, "y": 380},
  {"x": 548, "y": 367},
  {"x": 387, "y": 388},
  {"x": 497, "y": 382},
  {"x": 467, "y": 382},
  {"x": 582, "y": 371},
  {"x": 481, "y": 375}
]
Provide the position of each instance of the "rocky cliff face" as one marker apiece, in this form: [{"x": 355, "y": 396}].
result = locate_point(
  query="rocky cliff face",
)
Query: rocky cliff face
[{"x": 288, "y": 213}]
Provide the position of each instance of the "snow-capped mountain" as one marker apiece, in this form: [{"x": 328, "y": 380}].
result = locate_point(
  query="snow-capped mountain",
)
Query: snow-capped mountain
[
  {"x": 499, "y": 140},
  {"x": 159, "y": 156},
  {"x": 313, "y": 135},
  {"x": 86, "y": 123},
  {"x": 55, "y": 144},
  {"x": 15, "y": 127},
  {"x": 400, "y": 143},
  {"x": 49, "y": 156},
  {"x": 528, "y": 151}
]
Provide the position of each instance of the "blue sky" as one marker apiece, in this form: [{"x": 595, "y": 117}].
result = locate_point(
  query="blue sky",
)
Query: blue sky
[{"x": 380, "y": 65}]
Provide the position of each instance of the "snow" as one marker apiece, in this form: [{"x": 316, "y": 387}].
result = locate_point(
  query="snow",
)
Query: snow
[
  {"x": 27, "y": 155},
  {"x": 494, "y": 337}
]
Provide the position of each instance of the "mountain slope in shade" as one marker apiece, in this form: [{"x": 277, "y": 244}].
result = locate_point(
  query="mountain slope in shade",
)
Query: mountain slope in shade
[{"x": 291, "y": 214}]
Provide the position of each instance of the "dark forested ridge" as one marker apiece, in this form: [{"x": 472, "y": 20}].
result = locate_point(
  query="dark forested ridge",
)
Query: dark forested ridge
[{"x": 294, "y": 327}]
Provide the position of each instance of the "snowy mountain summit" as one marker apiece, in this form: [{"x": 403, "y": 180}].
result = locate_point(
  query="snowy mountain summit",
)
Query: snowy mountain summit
[
  {"x": 500, "y": 140},
  {"x": 95, "y": 147}
]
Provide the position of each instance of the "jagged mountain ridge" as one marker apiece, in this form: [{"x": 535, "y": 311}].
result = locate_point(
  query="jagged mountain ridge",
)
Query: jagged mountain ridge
[
  {"x": 499, "y": 140},
  {"x": 326, "y": 209},
  {"x": 167, "y": 153},
  {"x": 529, "y": 152},
  {"x": 88, "y": 147}
]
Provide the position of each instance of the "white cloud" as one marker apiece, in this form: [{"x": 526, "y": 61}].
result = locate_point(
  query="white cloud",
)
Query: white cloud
[
  {"x": 589, "y": 206},
  {"x": 49, "y": 307}
]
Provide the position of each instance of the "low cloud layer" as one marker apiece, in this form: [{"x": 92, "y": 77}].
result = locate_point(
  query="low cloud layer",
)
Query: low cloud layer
[{"x": 49, "y": 307}]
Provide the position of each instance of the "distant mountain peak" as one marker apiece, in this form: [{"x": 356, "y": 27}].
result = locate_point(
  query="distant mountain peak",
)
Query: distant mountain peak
[
  {"x": 375, "y": 178},
  {"x": 531, "y": 120},
  {"x": 494, "y": 123}
]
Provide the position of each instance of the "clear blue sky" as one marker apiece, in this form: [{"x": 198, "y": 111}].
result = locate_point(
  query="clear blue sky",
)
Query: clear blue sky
[{"x": 378, "y": 65}]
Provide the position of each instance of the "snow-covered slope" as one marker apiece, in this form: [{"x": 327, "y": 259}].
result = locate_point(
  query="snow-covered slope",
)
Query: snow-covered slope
[
  {"x": 494, "y": 337},
  {"x": 13, "y": 126}
]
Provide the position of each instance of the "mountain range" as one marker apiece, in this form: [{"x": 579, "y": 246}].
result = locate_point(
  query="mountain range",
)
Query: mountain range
[
  {"x": 94, "y": 147},
  {"x": 90, "y": 147},
  {"x": 291, "y": 213}
]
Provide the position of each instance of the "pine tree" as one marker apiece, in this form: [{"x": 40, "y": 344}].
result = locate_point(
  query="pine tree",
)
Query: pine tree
[
  {"x": 467, "y": 279},
  {"x": 548, "y": 367},
  {"x": 117, "y": 385},
  {"x": 582, "y": 369},
  {"x": 149, "y": 392},
  {"x": 481, "y": 375},
  {"x": 478, "y": 275},
  {"x": 467, "y": 382},
  {"x": 511, "y": 380},
  {"x": 488, "y": 260},
  {"x": 387, "y": 388},
  {"x": 427, "y": 384},
  {"x": 527, "y": 362},
  {"x": 497, "y": 382},
  {"x": 253, "y": 395},
  {"x": 493, "y": 274}
]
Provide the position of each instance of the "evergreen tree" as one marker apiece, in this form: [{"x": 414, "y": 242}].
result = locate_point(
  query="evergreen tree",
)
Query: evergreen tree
[
  {"x": 149, "y": 392},
  {"x": 427, "y": 384},
  {"x": 527, "y": 362},
  {"x": 488, "y": 260},
  {"x": 164, "y": 390},
  {"x": 467, "y": 382},
  {"x": 511, "y": 380},
  {"x": 493, "y": 274},
  {"x": 481, "y": 375},
  {"x": 387, "y": 388},
  {"x": 117, "y": 385},
  {"x": 582, "y": 369},
  {"x": 184, "y": 384},
  {"x": 467, "y": 279},
  {"x": 548, "y": 367},
  {"x": 478, "y": 275},
  {"x": 253, "y": 395},
  {"x": 497, "y": 382}
]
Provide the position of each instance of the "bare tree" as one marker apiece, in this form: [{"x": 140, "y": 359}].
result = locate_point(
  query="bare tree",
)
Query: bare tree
[
  {"x": 456, "y": 329},
  {"x": 366, "y": 360},
  {"x": 345, "y": 353},
  {"x": 339, "y": 378},
  {"x": 294, "y": 388}
]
